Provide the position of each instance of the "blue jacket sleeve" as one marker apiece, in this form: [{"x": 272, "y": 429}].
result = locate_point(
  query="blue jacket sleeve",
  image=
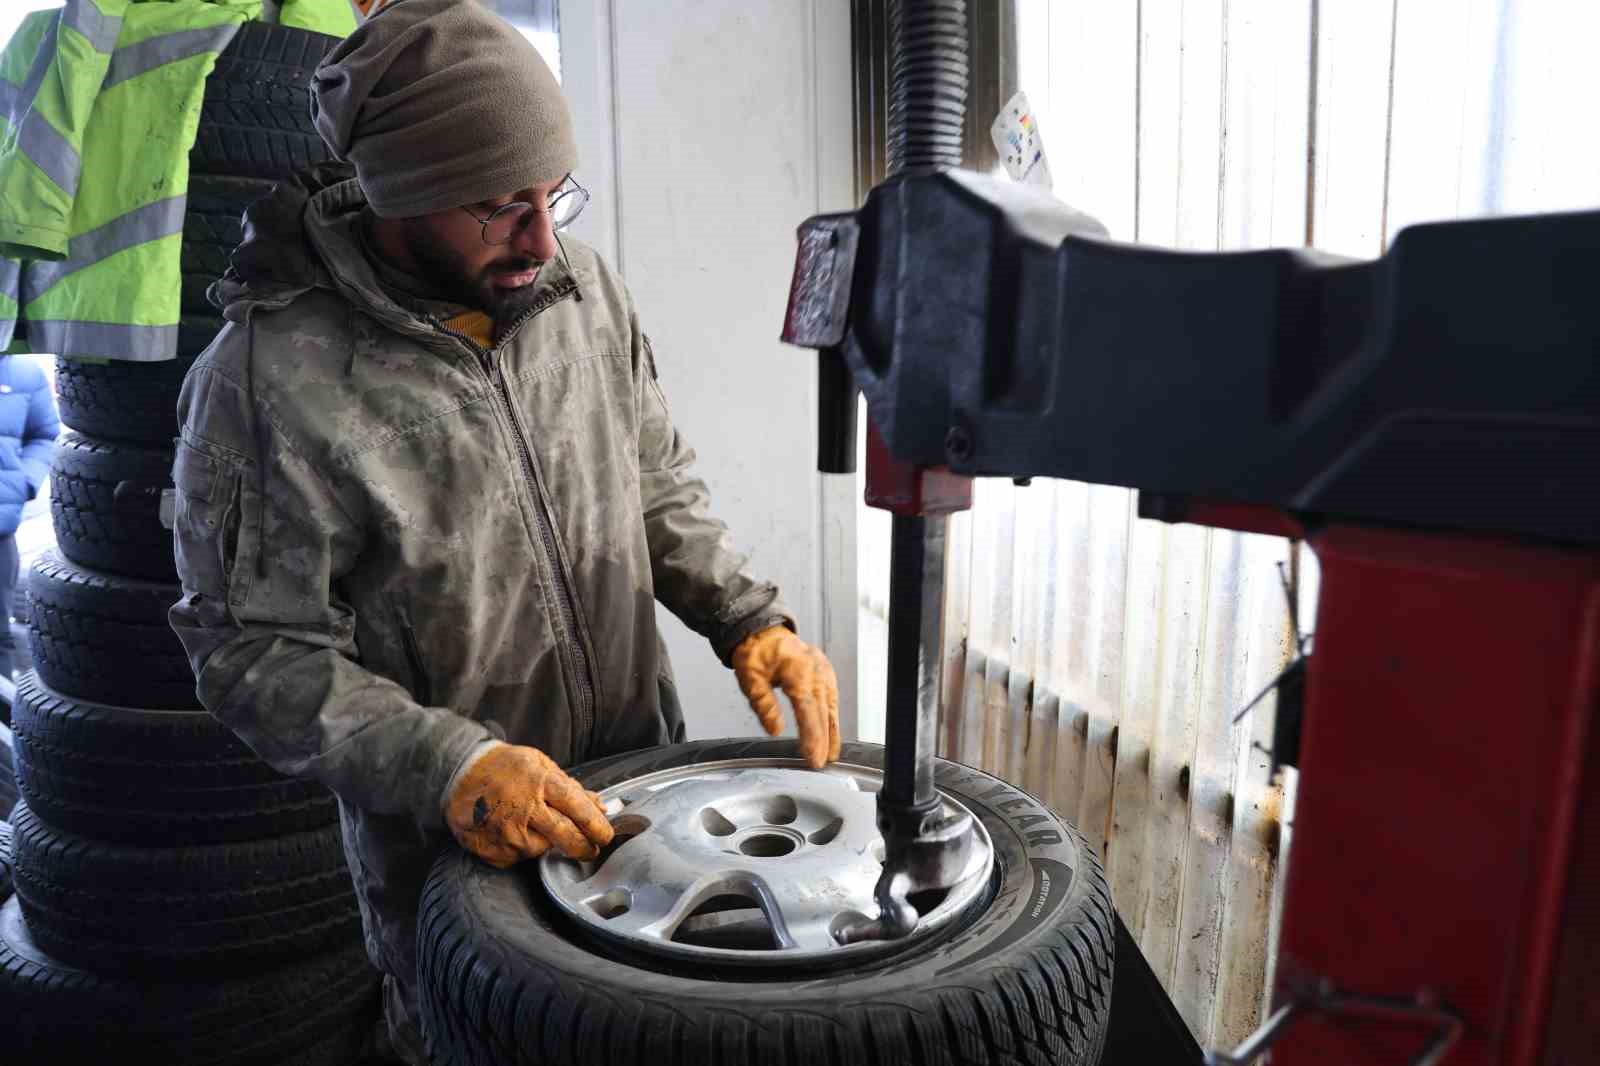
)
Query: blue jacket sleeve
[{"x": 39, "y": 435}]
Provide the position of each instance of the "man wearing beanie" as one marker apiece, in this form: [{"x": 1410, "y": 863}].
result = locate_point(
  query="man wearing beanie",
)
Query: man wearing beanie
[{"x": 429, "y": 489}]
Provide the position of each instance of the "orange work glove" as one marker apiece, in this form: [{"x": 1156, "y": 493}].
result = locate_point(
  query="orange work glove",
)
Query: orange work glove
[
  {"x": 777, "y": 657},
  {"x": 514, "y": 803}
]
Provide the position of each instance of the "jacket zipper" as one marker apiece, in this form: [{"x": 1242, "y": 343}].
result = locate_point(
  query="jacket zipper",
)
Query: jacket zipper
[
  {"x": 568, "y": 602},
  {"x": 408, "y": 637}
]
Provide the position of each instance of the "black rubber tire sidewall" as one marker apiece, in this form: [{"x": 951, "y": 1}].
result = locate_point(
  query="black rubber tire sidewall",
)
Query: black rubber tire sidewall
[
  {"x": 61, "y": 1014},
  {"x": 206, "y": 908},
  {"x": 158, "y": 777},
  {"x": 501, "y": 980}
]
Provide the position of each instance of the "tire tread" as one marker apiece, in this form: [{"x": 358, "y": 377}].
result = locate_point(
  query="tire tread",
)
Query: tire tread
[
  {"x": 91, "y": 632},
  {"x": 128, "y": 775},
  {"x": 255, "y": 118},
  {"x": 119, "y": 399},
  {"x": 5, "y": 861},
  {"x": 311, "y": 1011},
  {"x": 92, "y": 526},
  {"x": 208, "y": 907}
]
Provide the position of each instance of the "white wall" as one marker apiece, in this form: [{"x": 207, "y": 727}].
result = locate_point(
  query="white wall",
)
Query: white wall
[{"x": 708, "y": 130}]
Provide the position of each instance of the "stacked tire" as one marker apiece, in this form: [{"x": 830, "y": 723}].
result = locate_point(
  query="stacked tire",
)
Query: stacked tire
[
  {"x": 8, "y": 780},
  {"x": 170, "y": 892}
]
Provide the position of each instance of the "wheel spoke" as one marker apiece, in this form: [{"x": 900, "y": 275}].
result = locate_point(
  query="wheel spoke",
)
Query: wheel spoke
[
  {"x": 644, "y": 861},
  {"x": 660, "y": 909},
  {"x": 802, "y": 915},
  {"x": 647, "y": 912}
]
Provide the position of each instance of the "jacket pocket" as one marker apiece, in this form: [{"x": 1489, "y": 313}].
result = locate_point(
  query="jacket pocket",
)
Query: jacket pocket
[
  {"x": 421, "y": 683},
  {"x": 206, "y": 523}
]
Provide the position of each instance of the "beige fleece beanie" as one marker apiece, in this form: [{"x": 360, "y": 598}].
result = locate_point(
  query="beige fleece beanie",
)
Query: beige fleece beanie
[{"x": 441, "y": 103}]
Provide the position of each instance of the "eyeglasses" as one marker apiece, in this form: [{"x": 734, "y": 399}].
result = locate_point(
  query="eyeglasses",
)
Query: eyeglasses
[{"x": 563, "y": 205}]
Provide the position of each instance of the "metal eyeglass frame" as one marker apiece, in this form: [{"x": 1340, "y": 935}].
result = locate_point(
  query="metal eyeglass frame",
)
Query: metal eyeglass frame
[{"x": 568, "y": 187}]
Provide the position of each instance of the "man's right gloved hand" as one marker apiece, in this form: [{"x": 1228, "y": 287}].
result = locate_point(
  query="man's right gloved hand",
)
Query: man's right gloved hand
[{"x": 514, "y": 803}]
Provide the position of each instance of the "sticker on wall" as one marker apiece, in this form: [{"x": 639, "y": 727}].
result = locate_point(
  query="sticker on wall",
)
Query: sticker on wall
[{"x": 1016, "y": 137}]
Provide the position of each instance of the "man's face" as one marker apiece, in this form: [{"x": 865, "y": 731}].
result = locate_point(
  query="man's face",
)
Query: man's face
[{"x": 497, "y": 278}]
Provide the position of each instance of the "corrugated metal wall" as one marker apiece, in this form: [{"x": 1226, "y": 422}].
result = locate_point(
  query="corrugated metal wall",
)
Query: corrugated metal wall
[{"x": 1097, "y": 659}]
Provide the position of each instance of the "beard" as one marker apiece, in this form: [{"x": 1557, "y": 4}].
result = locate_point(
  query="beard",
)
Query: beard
[{"x": 445, "y": 269}]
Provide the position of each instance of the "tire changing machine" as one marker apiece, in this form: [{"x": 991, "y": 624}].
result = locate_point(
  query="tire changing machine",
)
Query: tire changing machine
[{"x": 1429, "y": 422}]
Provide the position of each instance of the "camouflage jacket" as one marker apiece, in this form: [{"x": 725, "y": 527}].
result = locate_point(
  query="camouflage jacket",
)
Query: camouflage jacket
[{"x": 394, "y": 544}]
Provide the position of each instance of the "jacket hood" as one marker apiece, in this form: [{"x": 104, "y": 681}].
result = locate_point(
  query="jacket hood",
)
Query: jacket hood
[
  {"x": 305, "y": 234},
  {"x": 275, "y": 261}
]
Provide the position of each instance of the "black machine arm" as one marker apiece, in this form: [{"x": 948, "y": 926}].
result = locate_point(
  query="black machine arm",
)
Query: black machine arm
[{"x": 1452, "y": 383}]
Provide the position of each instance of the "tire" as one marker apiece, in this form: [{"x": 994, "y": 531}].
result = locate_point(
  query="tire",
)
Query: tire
[
  {"x": 97, "y": 636},
  {"x": 255, "y": 116},
  {"x": 1029, "y": 982},
  {"x": 8, "y": 765},
  {"x": 133, "y": 776},
  {"x": 120, "y": 400},
  {"x": 216, "y": 908},
  {"x": 5, "y": 861},
  {"x": 196, "y": 332},
  {"x": 105, "y": 504},
  {"x": 213, "y": 226},
  {"x": 316, "y": 1011}
]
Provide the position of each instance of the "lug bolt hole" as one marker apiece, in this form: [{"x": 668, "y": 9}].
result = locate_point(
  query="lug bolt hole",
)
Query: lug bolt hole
[
  {"x": 614, "y": 903},
  {"x": 781, "y": 810},
  {"x": 766, "y": 845},
  {"x": 827, "y": 833}
]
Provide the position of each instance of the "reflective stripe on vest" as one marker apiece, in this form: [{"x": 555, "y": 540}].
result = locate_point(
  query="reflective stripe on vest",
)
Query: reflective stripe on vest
[
  {"x": 113, "y": 339},
  {"x": 132, "y": 60},
  {"x": 163, "y": 218},
  {"x": 10, "y": 272},
  {"x": 41, "y": 142},
  {"x": 99, "y": 28}
]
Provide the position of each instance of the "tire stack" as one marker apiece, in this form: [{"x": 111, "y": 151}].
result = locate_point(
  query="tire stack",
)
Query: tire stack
[{"x": 171, "y": 895}]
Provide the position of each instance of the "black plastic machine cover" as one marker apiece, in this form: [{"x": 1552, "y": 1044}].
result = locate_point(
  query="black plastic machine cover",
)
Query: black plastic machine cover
[{"x": 1453, "y": 383}]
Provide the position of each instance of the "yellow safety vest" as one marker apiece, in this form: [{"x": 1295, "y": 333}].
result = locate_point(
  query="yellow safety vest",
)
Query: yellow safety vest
[{"x": 101, "y": 100}]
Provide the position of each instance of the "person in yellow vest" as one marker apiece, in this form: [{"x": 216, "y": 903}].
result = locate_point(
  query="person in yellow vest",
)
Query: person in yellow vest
[{"x": 429, "y": 490}]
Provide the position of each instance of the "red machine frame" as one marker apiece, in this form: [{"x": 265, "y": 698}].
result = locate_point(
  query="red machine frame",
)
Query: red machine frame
[{"x": 1449, "y": 765}]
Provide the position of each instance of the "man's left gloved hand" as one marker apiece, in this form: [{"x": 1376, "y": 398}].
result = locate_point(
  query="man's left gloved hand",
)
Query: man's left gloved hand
[{"x": 776, "y": 657}]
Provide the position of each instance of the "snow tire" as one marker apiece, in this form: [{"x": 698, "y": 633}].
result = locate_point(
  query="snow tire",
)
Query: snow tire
[{"x": 503, "y": 981}]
